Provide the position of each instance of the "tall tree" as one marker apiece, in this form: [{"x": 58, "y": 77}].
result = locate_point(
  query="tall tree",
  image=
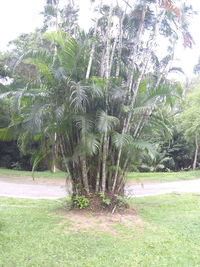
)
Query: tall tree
[{"x": 99, "y": 92}]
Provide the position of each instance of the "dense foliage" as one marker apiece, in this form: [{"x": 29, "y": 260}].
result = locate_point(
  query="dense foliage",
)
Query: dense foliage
[{"x": 96, "y": 103}]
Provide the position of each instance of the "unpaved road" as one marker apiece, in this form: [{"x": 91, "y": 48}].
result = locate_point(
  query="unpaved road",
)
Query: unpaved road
[
  {"x": 53, "y": 189},
  {"x": 25, "y": 187},
  {"x": 152, "y": 189}
]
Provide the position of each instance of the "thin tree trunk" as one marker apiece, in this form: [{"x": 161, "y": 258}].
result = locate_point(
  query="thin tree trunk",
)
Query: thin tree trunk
[
  {"x": 136, "y": 47},
  {"x": 118, "y": 161},
  {"x": 122, "y": 180},
  {"x": 196, "y": 152},
  {"x": 104, "y": 161},
  {"x": 97, "y": 188},
  {"x": 107, "y": 73},
  {"x": 108, "y": 45},
  {"x": 117, "y": 74},
  {"x": 112, "y": 54},
  {"x": 84, "y": 165},
  {"x": 84, "y": 174},
  {"x": 120, "y": 44},
  {"x": 145, "y": 65},
  {"x": 98, "y": 177},
  {"x": 117, "y": 169},
  {"x": 91, "y": 53},
  {"x": 127, "y": 128},
  {"x": 55, "y": 153},
  {"x": 68, "y": 180}
]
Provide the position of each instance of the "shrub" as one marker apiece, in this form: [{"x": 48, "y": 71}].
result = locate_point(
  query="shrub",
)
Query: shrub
[{"x": 81, "y": 202}]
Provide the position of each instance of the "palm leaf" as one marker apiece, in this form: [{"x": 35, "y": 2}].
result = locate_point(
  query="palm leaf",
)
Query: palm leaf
[
  {"x": 121, "y": 140},
  {"x": 92, "y": 144},
  {"x": 7, "y": 134},
  {"x": 78, "y": 97},
  {"x": 106, "y": 122}
]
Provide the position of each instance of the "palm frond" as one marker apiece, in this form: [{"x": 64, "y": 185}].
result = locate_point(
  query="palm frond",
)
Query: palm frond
[
  {"x": 92, "y": 144},
  {"x": 106, "y": 122},
  {"x": 68, "y": 48},
  {"x": 120, "y": 140},
  {"x": 78, "y": 97},
  {"x": 7, "y": 134},
  {"x": 143, "y": 146},
  {"x": 43, "y": 68},
  {"x": 83, "y": 123}
]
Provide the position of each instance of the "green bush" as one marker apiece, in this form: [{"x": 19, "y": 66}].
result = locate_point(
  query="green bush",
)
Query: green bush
[
  {"x": 16, "y": 166},
  {"x": 81, "y": 202},
  {"x": 106, "y": 201}
]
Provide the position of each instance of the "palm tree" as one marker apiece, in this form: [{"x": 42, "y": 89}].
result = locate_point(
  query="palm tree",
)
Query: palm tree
[{"x": 98, "y": 92}]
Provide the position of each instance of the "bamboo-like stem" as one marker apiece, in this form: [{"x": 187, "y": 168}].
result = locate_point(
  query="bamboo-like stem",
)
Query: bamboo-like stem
[
  {"x": 97, "y": 188},
  {"x": 127, "y": 128},
  {"x": 118, "y": 161},
  {"x": 117, "y": 169},
  {"x": 55, "y": 153},
  {"x": 130, "y": 82},
  {"x": 108, "y": 45},
  {"x": 107, "y": 75},
  {"x": 196, "y": 152},
  {"x": 69, "y": 177},
  {"x": 84, "y": 173},
  {"x": 120, "y": 44},
  {"x": 92, "y": 52},
  {"x": 98, "y": 176},
  {"x": 104, "y": 158},
  {"x": 122, "y": 180},
  {"x": 151, "y": 45},
  {"x": 112, "y": 54}
]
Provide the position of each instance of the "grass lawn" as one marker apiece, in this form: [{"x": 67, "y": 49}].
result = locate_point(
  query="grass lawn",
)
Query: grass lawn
[
  {"x": 137, "y": 176},
  {"x": 42, "y": 174},
  {"x": 33, "y": 233},
  {"x": 163, "y": 176}
]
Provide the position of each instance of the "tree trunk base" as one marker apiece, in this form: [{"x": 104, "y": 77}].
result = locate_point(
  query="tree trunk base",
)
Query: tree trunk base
[{"x": 100, "y": 203}]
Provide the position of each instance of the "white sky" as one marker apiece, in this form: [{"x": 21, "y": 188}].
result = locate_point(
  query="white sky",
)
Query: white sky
[
  {"x": 18, "y": 16},
  {"x": 23, "y": 16}
]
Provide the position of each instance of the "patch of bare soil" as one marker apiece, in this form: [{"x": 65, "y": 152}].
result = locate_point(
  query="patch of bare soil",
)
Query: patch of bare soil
[
  {"x": 104, "y": 203},
  {"x": 127, "y": 225}
]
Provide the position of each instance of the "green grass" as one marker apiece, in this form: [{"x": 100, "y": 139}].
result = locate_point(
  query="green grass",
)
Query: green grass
[
  {"x": 42, "y": 174},
  {"x": 137, "y": 176},
  {"x": 163, "y": 176},
  {"x": 31, "y": 236}
]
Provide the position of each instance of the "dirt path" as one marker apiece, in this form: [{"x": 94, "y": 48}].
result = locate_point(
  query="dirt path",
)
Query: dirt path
[
  {"x": 25, "y": 187},
  {"x": 186, "y": 186},
  {"x": 55, "y": 188}
]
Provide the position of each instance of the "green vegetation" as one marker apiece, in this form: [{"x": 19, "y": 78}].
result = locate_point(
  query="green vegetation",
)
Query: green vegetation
[
  {"x": 191, "y": 122},
  {"x": 163, "y": 176},
  {"x": 38, "y": 236},
  {"x": 81, "y": 202},
  {"x": 135, "y": 176},
  {"x": 95, "y": 103},
  {"x": 42, "y": 174}
]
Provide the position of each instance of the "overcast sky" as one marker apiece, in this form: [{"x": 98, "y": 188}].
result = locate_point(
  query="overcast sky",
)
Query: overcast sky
[
  {"x": 23, "y": 16},
  {"x": 18, "y": 16}
]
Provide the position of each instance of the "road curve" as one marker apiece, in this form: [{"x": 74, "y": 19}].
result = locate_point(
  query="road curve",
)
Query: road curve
[
  {"x": 32, "y": 191},
  {"x": 152, "y": 189},
  {"x": 35, "y": 190}
]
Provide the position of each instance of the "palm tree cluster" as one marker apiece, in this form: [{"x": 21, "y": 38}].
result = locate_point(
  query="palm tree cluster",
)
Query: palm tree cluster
[{"x": 93, "y": 96}]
